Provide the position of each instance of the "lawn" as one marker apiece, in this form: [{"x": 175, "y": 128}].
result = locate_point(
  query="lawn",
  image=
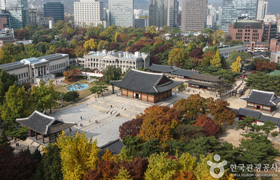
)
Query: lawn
[{"x": 83, "y": 93}]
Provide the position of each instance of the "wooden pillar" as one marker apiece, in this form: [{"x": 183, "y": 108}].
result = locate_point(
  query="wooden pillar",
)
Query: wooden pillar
[
  {"x": 113, "y": 89},
  {"x": 43, "y": 139},
  {"x": 35, "y": 135},
  {"x": 30, "y": 132}
]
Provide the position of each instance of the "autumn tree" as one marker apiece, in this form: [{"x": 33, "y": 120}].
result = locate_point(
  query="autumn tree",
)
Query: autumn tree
[
  {"x": 192, "y": 107},
  {"x": 111, "y": 73},
  {"x": 130, "y": 128},
  {"x": 208, "y": 126},
  {"x": 187, "y": 132},
  {"x": 216, "y": 60},
  {"x": 91, "y": 44},
  {"x": 177, "y": 57},
  {"x": 221, "y": 113},
  {"x": 78, "y": 155},
  {"x": 158, "y": 123},
  {"x": 236, "y": 65},
  {"x": 72, "y": 75},
  {"x": 207, "y": 57}
]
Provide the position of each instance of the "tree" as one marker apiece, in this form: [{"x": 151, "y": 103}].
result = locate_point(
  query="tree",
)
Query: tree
[
  {"x": 98, "y": 89},
  {"x": 6, "y": 80},
  {"x": 257, "y": 149},
  {"x": 177, "y": 57},
  {"x": 221, "y": 113},
  {"x": 267, "y": 127},
  {"x": 246, "y": 124},
  {"x": 91, "y": 44},
  {"x": 130, "y": 128},
  {"x": 71, "y": 96},
  {"x": 158, "y": 123},
  {"x": 5, "y": 57},
  {"x": 208, "y": 126},
  {"x": 236, "y": 65},
  {"x": 111, "y": 73},
  {"x": 187, "y": 132},
  {"x": 217, "y": 59},
  {"x": 234, "y": 55},
  {"x": 50, "y": 166},
  {"x": 78, "y": 155},
  {"x": 191, "y": 107},
  {"x": 72, "y": 75},
  {"x": 207, "y": 57},
  {"x": 123, "y": 175}
]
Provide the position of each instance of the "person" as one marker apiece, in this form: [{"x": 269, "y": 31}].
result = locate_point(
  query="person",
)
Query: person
[{"x": 81, "y": 118}]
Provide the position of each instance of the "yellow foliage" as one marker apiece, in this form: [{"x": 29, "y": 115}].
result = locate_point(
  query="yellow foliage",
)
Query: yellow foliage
[
  {"x": 236, "y": 65},
  {"x": 107, "y": 156},
  {"x": 78, "y": 155},
  {"x": 90, "y": 44},
  {"x": 123, "y": 175}
]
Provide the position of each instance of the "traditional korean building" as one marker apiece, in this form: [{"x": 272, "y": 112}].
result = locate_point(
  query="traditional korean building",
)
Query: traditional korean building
[
  {"x": 146, "y": 86},
  {"x": 172, "y": 71},
  {"x": 203, "y": 81},
  {"x": 43, "y": 125},
  {"x": 262, "y": 100}
]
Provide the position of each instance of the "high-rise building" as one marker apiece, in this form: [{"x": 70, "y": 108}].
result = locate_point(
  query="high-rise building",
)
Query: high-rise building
[
  {"x": 5, "y": 20},
  {"x": 262, "y": 9},
  {"x": 18, "y": 10},
  {"x": 232, "y": 9},
  {"x": 55, "y": 10},
  {"x": 32, "y": 16},
  {"x": 194, "y": 14},
  {"x": 121, "y": 13},
  {"x": 211, "y": 16},
  {"x": 88, "y": 13},
  {"x": 163, "y": 13}
]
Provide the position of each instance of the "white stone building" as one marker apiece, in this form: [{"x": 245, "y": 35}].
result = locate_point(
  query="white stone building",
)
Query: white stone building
[
  {"x": 33, "y": 70},
  {"x": 275, "y": 57},
  {"x": 124, "y": 60},
  {"x": 88, "y": 13}
]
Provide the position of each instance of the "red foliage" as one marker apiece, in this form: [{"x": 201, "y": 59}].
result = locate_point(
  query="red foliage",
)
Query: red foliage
[
  {"x": 72, "y": 74},
  {"x": 265, "y": 65},
  {"x": 63, "y": 50},
  {"x": 21, "y": 166},
  {"x": 130, "y": 128},
  {"x": 135, "y": 48},
  {"x": 208, "y": 126},
  {"x": 109, "y": 169},
  {"x": 196, "y": 53},
  {"x": 113, "y": 46}
]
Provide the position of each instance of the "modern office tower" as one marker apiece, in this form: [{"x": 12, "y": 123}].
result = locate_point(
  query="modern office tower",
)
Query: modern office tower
[
  {"x": 211, "y": 16},
  {"x": 32, "y": 16},
  {"x": 121, "y": 13},
  {"x": 262, "y": 9},
  {"x": 219, "y": 16},
  {"x": 232, "y": 9},
  {"x": 163, "y": 13},
  {"x": 194, "y": 14},
  {"x": 18, "y": 10},
  {"x": 5, "y": 20},
  {"x": 88, "y": 13},
  {"x": 55, "y": 10},
  {"x": 3, "y": 2},
  {"x": 172, "y": 13}
]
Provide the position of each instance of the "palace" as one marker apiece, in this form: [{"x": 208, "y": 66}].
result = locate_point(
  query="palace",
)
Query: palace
[
  {"x": 145, "y": 86},
  {"x": 33, "y": 70}
]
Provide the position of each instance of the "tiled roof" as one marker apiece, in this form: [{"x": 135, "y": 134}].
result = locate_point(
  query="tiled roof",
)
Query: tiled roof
[
  {"x": 146, "y": 82},
  {"x": 43, "y": 124},
  {"x": 171, "y": 70},
  {"x": 249, "y": 112},
  {"x": 262, "y": 97},
  {"x": 203, "y": 77},
  {"x": 114, "y": 146}
]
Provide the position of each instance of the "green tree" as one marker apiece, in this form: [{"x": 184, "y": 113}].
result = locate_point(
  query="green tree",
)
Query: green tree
[
  {"x": 6, "y": 80},
  {"x": 50, "y": 166},
  {"x": 123, "y": 175},
  {"x": 177, "y": 57},
  {"x": 216, "y": 60},
  {"x": 98, "y": 89},
  {"x": 111, "y": 73},
  {"x": 246, "y": 124},
  {"x": 71, "y": 96}
]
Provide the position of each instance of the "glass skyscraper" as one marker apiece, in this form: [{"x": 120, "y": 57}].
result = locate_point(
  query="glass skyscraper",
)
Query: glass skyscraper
[
  {"x": 232, "y": 9},
  {"x": 121, "y": 13},
  {"x": 55, "y": 10},
  {"x": 18, "y": 10}
]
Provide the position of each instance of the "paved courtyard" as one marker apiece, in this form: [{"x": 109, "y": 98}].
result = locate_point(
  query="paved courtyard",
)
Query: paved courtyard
[{"x": 102, "y": 117}]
